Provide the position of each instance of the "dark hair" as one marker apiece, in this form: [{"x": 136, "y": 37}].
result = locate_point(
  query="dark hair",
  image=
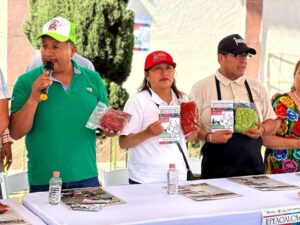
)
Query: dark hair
[
  {"x": 145, "y": 86},
  {"x": 295, "y": 71}
]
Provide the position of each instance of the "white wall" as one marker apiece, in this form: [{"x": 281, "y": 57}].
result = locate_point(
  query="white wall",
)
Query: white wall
[
  {"x": 190, "y": 30},
  {"x": 280, "y": 43}
]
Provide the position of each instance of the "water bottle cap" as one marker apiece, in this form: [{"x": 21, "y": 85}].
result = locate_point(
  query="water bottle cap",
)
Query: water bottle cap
[
  {"x": 56, "y": 173},
  {"x": 172, "y": 166}
]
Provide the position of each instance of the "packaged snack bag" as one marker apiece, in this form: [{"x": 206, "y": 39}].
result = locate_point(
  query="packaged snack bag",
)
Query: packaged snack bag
[
  {"x": 3, "y": 208},
  {"x": 188, "y": 116},
  {"x": 222, "y": 116},
  {"x": 108, "y": 118},
  {"x": 114, "y": 120},
  {"x": 94, "y": 120},
  {"x": 245, "y": 117}
]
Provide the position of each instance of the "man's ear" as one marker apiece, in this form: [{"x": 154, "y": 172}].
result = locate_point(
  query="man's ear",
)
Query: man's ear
[
  {"x": 220, "y": 58},
  {"x": 73, "y": 49}
]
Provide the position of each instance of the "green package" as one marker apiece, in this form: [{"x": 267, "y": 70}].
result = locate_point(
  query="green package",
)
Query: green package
[{"x": 245, "y": 118}]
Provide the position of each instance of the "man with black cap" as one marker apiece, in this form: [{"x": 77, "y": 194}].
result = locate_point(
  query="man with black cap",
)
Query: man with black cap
[{"x": 227, "y": 153}]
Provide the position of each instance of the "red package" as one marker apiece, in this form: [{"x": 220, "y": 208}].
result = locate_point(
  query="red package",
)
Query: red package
[
  {"x": 188, "y": 116},
  {"x": 114, "y": 120},
  {"x": 3, "y": 208}
]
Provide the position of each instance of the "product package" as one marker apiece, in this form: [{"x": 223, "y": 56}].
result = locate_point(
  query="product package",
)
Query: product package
[
  {"x": 3, "y": 208},
  {"x": 169, "y": 118},
  {"x": 222, "y": 116},
  {"x": 114, "y": 120},
  {"x": 245, "y": 116},
  {"x": 107, "y": 118},
  {"x": 188, "y": 116}
]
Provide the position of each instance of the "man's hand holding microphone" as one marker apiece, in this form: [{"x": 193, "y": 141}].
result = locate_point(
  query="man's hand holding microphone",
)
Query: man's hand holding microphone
[{"x": 40, "y": 86}]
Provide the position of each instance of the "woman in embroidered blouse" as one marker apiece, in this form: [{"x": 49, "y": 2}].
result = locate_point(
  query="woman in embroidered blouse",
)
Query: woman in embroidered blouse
[{"x": 283, "y": 153}]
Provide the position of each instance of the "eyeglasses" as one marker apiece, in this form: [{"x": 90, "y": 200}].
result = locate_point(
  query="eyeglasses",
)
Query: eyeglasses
[{"x": 240, "y": 56}]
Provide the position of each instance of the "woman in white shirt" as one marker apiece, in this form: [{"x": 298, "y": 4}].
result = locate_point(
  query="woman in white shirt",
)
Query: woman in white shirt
[{"x": 148, "y": 159}]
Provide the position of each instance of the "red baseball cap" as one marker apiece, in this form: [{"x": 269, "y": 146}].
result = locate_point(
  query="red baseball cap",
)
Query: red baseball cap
[{"x": 158, "y": 57}]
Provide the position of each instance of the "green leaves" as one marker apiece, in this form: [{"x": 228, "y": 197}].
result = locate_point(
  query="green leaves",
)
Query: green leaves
[{"x": 117, "y": 95}]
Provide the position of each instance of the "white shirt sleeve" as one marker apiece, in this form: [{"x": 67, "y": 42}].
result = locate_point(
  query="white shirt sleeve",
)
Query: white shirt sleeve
[{"x": 3, "y": 88}]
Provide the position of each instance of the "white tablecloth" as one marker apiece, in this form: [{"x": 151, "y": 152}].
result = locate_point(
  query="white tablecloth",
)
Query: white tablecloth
[
  {"x": 23, "y": 211},
  {"x": 149, "y": 204}
]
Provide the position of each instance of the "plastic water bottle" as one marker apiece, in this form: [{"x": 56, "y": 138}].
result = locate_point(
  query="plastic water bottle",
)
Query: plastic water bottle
[
  {"x": 172, "y": 180},
  {"x": 55, "y": 188}
]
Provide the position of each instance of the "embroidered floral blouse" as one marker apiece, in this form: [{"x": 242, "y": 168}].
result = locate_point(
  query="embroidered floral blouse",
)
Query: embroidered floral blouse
[{"x": 287, "y": 160}]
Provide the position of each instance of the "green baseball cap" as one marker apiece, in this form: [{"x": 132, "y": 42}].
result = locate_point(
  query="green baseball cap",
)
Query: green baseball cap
[{"x": 59, "y": 29}]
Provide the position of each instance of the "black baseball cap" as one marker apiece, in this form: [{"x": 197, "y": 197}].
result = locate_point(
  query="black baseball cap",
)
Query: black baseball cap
[{"x": 234, "y": 44}]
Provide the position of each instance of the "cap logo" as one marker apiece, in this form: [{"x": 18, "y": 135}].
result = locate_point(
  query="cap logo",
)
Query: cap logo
[
  {"x": 53, "y": 25},
  {"x": 159, "y": 56},
  {"x": 238, "y": 41}
]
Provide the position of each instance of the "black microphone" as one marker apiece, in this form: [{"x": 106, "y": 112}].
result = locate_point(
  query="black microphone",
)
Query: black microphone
[{"x": 49, "y": 66}]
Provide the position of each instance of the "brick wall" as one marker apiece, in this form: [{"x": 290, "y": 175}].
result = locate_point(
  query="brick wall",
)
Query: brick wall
[{"x": 19, "y": 48}]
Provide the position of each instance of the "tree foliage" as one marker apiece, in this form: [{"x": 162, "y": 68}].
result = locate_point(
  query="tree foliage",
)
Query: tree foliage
[
  {"x": 117, "y": 96},
  {"x": 104, "y": 31}
]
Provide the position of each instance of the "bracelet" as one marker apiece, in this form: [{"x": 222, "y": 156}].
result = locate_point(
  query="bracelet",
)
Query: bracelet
[
  {"x": 207, "y": 137},
  {"x": 210, "y": 138}
]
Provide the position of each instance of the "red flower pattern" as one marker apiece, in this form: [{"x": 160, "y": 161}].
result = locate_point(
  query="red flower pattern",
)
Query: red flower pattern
[
  {"x": 296, "y": 128},
  {"x": 280, "y": 110},
  {"x": 277, "y": 170}
]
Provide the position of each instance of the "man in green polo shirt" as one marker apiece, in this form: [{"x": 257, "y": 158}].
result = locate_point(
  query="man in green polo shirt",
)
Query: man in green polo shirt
[{"x": 56, "y": 136}]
